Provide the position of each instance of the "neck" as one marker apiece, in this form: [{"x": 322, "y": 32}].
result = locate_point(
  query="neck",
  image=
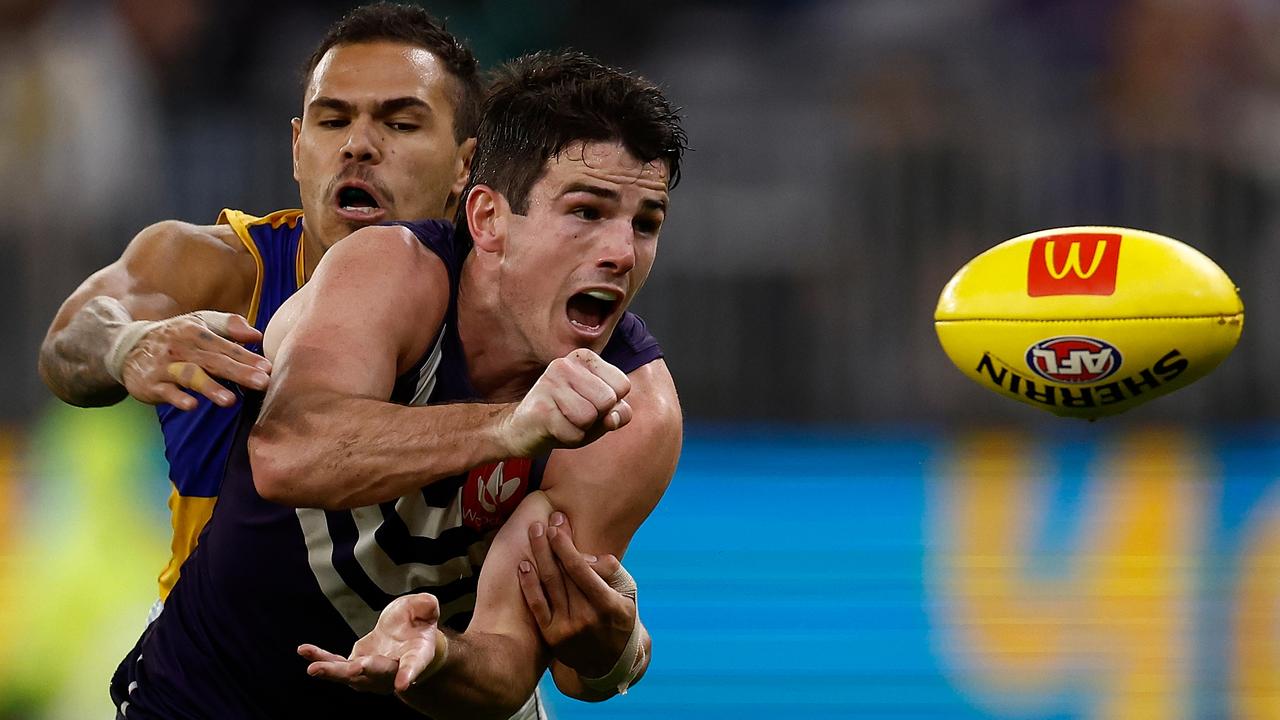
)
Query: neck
[
  {"x": 500, "y": 367},
  {"x": 312, "y": 251}
]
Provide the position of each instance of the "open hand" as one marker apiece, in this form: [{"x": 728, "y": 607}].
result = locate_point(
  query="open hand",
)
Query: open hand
[{"x": 392, "y": 656}]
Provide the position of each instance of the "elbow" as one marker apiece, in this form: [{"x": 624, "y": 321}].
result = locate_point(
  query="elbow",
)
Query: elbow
[
  {"x": 288, "y": 469},
  {"x": 45, "y": 366},
  {"x": 67, "y": 387},
  {"x": 274, "y": 464}
]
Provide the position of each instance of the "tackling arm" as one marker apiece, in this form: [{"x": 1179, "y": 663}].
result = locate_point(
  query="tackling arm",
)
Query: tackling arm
[
  {"x": 327, "y": 437},
  {"x": 168, "y": 269}
]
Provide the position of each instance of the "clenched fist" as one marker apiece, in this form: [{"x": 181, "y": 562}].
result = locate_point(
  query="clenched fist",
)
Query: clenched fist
[{"x": 578, "y": 398}]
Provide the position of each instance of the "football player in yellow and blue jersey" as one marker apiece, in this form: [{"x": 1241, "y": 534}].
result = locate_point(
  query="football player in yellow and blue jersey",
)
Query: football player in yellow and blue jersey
[{"x": 390, "y": 107}]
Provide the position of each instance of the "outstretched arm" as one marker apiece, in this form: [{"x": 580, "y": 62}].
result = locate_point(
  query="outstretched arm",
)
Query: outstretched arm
[
  {"x": 100, "y": 348},
  {"x": 486, "y": 672}
]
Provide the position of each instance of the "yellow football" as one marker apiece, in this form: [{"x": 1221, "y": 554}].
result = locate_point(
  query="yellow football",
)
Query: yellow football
[{"x": 1088, "y": 321}]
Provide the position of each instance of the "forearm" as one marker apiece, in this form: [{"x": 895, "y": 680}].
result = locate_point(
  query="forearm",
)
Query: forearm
[
  {"x": 484, "y": 676},
  {"x": 569, "y": 681},
  {"x": 72, "y": 360},
  {"x": 340, "y": 452}
]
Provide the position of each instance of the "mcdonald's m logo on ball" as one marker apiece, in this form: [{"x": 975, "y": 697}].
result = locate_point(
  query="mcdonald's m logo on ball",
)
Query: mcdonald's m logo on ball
[{"x": 1073, "y": 264}]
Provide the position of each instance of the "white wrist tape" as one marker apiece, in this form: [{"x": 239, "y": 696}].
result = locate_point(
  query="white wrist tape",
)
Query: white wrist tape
[
  {"x": 631, "y": 662},
  {"x": 214, "y": 320},
  {"x": 129, "y": 335},
  {"x": 441, "y": 656},
  {"x": 125, "y": 341},
  {"x": 624, "y": 671},
  {"x": 623, "y": 583}
]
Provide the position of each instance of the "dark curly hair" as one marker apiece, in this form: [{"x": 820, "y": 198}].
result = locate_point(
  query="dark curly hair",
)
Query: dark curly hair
[
  {"x": 540, "y": 103},
  {"x": 412, "y": 25}
]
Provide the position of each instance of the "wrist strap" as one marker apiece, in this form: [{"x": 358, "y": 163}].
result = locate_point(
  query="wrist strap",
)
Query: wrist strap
[
  {"x": 126, "y": 339},
  {"x": 624, "y": 671},
  {"x": 622, "y": 583},
  {"x": 441, "y": 656}
]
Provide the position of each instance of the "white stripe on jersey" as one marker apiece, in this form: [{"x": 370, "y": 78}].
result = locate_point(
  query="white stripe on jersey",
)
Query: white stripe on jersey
[
  {"x": 427, "y": 375},
  {"x": 359, "y": 616},
  {"x": 399, "y": 578}
]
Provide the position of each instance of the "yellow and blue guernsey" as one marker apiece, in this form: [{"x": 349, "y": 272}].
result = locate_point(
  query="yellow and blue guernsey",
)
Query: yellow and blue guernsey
[{"x": 196, "y": 442}]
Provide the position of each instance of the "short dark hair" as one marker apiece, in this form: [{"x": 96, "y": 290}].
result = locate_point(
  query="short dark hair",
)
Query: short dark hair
[
  {"x": 412, "y": 25},
  {"x": 540, "y": 103}
]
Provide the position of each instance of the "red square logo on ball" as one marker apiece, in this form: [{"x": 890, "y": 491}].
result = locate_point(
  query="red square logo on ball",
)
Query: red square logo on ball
[{"x": 1073, "y": 264}]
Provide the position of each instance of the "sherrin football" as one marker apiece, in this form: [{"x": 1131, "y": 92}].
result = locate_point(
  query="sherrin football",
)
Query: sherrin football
[{"x": 1088, "y": 321}]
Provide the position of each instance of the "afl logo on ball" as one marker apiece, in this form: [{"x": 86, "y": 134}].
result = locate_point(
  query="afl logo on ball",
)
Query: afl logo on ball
[{"x": 1073, "y": 359}]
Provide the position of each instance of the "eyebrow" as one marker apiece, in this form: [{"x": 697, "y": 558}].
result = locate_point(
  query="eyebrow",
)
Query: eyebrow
[
  {"x": 607, "y": 194},
  {"x": 384, "y": 108}
]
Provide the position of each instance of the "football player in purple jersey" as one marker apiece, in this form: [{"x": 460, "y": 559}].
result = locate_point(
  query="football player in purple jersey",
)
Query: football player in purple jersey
[{"x": 564, "y": 236}]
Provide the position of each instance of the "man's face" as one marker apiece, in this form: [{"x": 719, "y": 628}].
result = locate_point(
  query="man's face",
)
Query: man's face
[
  {"x": 574, "y": 261},
  {"x": 376, "y": 141}
]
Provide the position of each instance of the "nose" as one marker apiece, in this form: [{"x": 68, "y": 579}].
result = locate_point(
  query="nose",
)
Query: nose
[
  {"x": 363, "y": 144},
  {"x": 618, "y": 250}
]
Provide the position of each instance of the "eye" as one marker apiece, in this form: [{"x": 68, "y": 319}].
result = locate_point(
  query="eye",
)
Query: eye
[
  {"x": 586, "y": 212},
  {"x": 402, "y": 126},
  {"x": 647, "y": 226},
  {"x": 333, "y": 123}
]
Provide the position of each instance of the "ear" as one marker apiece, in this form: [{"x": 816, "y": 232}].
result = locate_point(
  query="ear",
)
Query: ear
[
  {"x": 466, "y": 151},
  {"x": 462, "y": 173},
  {"x": 296, "y": 124},
  {"x": 487, "y": 213}
]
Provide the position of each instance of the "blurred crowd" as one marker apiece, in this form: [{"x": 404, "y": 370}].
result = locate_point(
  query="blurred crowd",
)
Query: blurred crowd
[{"x": 849, "y": 157}]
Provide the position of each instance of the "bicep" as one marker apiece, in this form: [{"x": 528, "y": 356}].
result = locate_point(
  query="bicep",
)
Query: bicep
[
  {"x": 609, "y": 487},
  {"x": 368, "y": 312},
  {"x": 167, "y": 269}
]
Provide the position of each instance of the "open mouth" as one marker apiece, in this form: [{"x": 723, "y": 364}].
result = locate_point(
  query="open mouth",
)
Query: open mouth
[
  {"x": 357, "y": 201},
  {"x": 590, "y": 310}
]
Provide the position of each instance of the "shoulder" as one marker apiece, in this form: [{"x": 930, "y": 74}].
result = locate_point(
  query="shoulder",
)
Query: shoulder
[
  {"x": 175, "y": 237},
  {"x": 384, "y": 279},
  {"x": 202, "y": 266},
  {"x": 389, "y": 251},
  {"x": 655, "y": 440},
  {"x": 653, "y": 392},
  {"x": 632, "y": 345}
]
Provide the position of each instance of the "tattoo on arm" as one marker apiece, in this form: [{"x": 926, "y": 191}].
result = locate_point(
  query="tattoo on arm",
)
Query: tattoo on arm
[{"x": 72, "y": 360}]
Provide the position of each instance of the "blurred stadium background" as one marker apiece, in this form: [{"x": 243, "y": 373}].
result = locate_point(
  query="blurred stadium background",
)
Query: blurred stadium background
[{"x": 855, "y": 531}]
